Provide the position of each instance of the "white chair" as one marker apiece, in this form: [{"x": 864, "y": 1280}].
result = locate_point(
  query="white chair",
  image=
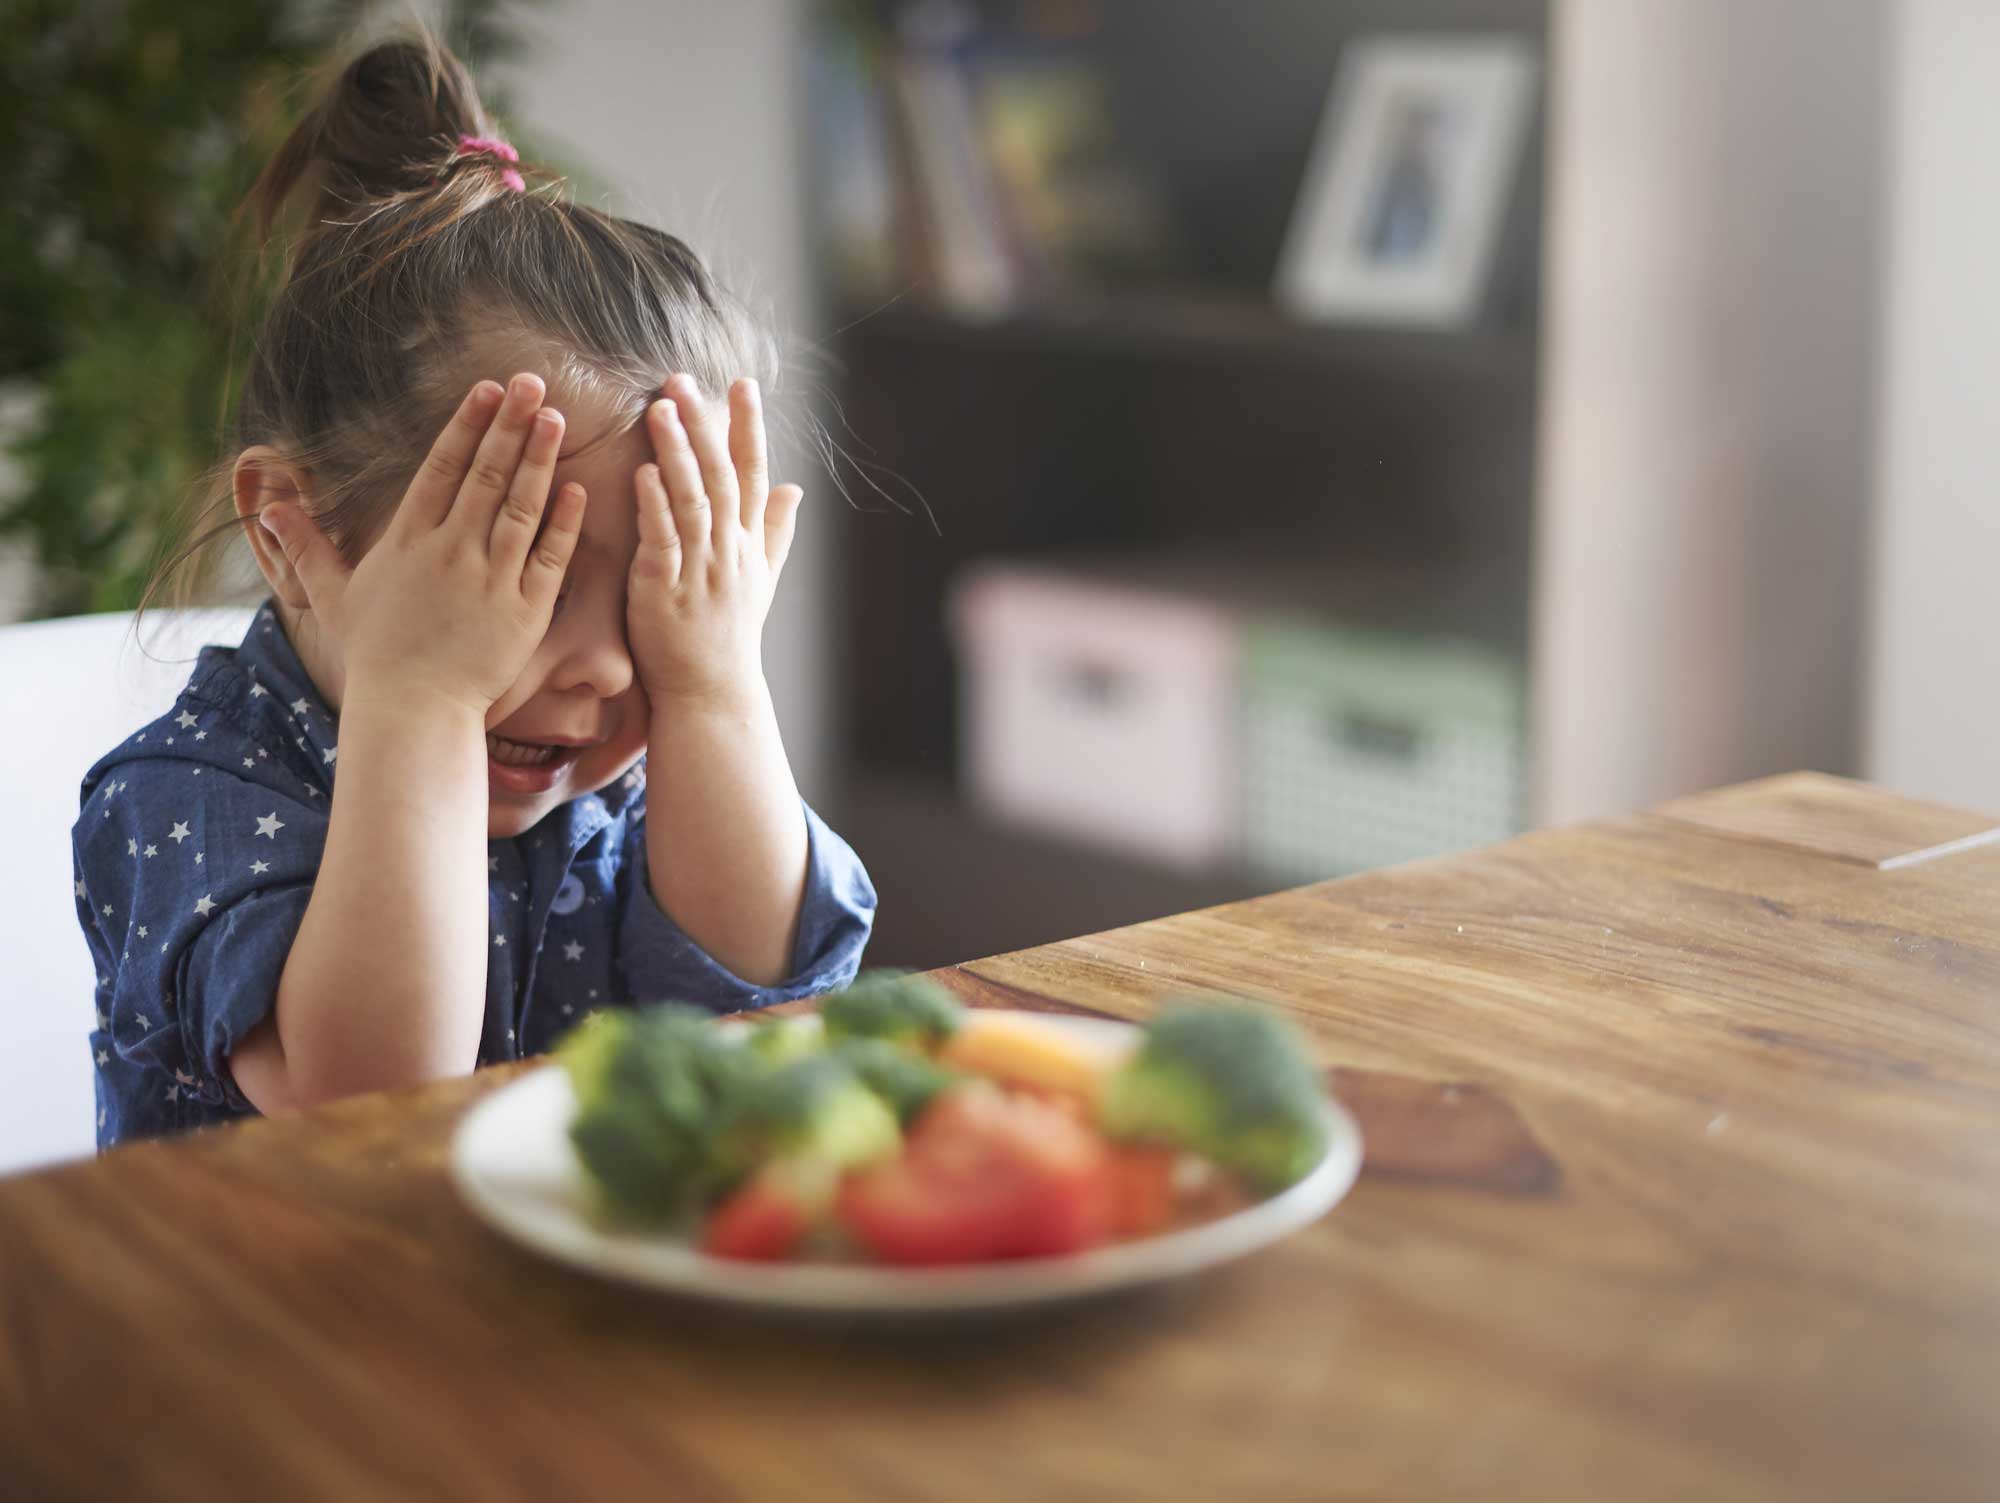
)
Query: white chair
[{"x": 70, "y": 689}]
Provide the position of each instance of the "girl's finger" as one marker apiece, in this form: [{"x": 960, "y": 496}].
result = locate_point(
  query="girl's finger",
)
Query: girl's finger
[
  {"x": 548, "y": 560},
  {"x": 747, "y": 452},
  {"x": 681, "y": 474},
  {"x": 499, "y": 454},
  {"x": 527, "y": 495},
  {"x": 428, "y": 500},
  {"x": 321, "y": 571},
  {"x": 710, "y": 441},
  {"x": 781, "y": 520},
  {"x": 660, "y": 549}
]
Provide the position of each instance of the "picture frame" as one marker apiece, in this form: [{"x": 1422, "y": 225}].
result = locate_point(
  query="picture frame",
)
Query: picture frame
[{"x": 1408, "y": 180}]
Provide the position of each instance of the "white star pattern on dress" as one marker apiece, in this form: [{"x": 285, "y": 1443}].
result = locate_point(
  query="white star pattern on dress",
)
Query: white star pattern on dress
[
  {"x": 258, "y": 868},
  {"x": 142, "y": 931},
  {"x": 152, "y": 850},
  {"x": 499, "y": 941},
  {"x": 199, "y": 857},
  {"x": 173, "y": 1093},
  {"x": 329, "y": 754},
  {"x": 492, "y": 865},
  {"x": 179, "y": 832},
  {"x": 263, "y": 755},
  {"x": 257, "y": 690},
  {"x": 567, "y": 1009},
  {"x": 100, "y": 1118},
  {"x": 299, "y": 706},
  {"x": 170, "y": 740},
  {"x": 103, "y": 1057},
  {"x": 131, "y": 847},
  {"x": 201, "y": 735},
  {"x": 197, "y": 772},
  {"x": 312, "y": 793},
  {"x": 107, "y": 910},
  {"x": 163, "y": 945},
  {"x": 269, "y": 824},
  {"x": 79, "y": 887},
  {"x": 145, "y": 1022},
  {"x": 184, "y": 720},
  {"x": 206, "y": 906},
  {"x": 248, "y": 763},
  {"x": 572, "y": 950}
]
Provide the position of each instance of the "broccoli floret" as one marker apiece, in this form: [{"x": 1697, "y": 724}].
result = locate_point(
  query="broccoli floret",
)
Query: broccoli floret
[
  {"x": 1226, "y": 1082},
  {"x": 814, "y": 1108},
  {"x": 895, "y": 1006},
  {"x": 650, "y": 1088},
  {"x": 779, "y": 1041},
  {"x": 906, "y": 1081}
]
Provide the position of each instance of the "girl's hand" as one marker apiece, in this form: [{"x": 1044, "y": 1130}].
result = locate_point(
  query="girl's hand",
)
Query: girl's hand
[
  {"x": 457, "y": 592},
  {"x": 713, "y": 536}
]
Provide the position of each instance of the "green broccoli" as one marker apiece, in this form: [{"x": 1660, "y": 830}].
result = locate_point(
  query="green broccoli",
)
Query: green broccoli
[
  {"x": 1226, "y": 1082},
  {"x": 894, "y": 1006},
  {"x": 779, "y": 1041},
  {"x": 906, "y": 1081},
  {"x": 815, "y": 1109},
  {"x": 651, "y": 1086}
]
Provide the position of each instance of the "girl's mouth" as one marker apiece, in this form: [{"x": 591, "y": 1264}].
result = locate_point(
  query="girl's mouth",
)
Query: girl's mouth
[{"x": 526, "y": 766}]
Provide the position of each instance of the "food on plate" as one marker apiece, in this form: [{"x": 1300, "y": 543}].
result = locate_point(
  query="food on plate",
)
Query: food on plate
[
  {"x": 1228, "y": 1083},
  {"x": 906, "y": 1081},
  {"x": 650, "y": 1088},
  {"x": 899, "y": 1128},
  {"x": 1026, "y": 1051},
  {"x": 985, "y": 1174},
  {"x": 814, "y": 1108},
  {"x": 894, "y": 1006}
]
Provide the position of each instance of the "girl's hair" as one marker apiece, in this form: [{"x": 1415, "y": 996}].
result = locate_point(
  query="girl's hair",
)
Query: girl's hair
[{"x": 421, "y": 267}]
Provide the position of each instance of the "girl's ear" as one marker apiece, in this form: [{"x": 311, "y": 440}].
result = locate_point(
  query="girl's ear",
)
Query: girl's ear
[{"x": 262, "y": 476}]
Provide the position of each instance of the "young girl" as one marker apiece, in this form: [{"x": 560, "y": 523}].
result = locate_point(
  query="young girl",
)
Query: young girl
[{"x": 513, "y": 506}]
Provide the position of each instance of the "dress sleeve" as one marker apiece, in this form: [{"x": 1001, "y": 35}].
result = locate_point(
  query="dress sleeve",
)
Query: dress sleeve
[
  {"x": 661, "y": 963},
  {"x": 194, "y": 883}
]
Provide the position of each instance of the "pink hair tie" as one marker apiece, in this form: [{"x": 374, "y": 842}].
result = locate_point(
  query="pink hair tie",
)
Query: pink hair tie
[{"x": 486, "y": 145}]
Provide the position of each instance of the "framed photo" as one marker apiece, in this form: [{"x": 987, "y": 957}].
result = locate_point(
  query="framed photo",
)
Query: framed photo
[{"x": 1408, "y": 180}]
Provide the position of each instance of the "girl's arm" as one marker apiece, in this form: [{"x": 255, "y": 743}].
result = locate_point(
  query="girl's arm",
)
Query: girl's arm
[
  {"x": 385, "y": 984},
  {"x": 726, "y": 844}
]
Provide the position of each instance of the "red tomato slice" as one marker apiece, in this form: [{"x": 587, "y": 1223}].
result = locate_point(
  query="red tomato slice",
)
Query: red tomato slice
[
  {"x": 765, "y": 1218},
  {"x": 1142, "y": 1181},
  {"x": 985, "y": 1175}
]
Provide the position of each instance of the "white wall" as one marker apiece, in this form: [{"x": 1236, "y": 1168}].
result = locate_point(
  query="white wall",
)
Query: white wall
[
  {"x": 690, "y": 111},
  {"x": 1934, "y": 680},
  {"x": 1710, "y": 284}
]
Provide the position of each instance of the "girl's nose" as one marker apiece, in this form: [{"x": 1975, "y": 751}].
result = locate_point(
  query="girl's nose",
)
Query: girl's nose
[{"x": 595, "y": 657}]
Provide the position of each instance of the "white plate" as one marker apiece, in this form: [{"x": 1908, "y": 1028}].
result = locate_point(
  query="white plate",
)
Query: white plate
[{"x": 512, "y": 1161}]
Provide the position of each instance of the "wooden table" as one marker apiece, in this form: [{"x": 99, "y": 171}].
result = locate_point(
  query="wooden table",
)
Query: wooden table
[{"x": 1683, "y": 1182}]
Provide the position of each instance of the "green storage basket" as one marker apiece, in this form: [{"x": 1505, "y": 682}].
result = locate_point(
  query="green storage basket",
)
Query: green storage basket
[{"x": 1364, "y": 749}]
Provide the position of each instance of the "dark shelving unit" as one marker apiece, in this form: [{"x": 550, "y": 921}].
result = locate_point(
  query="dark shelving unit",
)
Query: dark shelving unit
[{"x": 1188, "y": 417}]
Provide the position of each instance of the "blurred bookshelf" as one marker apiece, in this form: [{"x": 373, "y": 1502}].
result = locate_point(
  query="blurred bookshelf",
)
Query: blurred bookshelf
[{"x": 1135, "y": 394}]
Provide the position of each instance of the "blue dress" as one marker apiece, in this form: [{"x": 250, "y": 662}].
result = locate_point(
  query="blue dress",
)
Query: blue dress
[{"x": 196, "y": 848}]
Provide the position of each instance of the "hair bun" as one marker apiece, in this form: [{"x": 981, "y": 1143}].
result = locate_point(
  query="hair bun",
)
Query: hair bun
[{"x": 389, "y": 123}]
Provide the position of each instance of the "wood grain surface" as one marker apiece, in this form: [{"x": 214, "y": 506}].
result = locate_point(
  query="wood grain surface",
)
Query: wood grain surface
[
  {"x": 1835, "y": 817},
  {"x": 1683, "y": 1182}
]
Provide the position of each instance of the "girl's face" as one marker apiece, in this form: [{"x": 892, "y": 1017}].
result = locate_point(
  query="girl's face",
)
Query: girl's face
[{"x": 576, "y": 720}]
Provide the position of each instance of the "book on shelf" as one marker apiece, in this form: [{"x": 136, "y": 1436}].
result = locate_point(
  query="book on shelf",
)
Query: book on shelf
[{"x": 981, "y": 172}]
